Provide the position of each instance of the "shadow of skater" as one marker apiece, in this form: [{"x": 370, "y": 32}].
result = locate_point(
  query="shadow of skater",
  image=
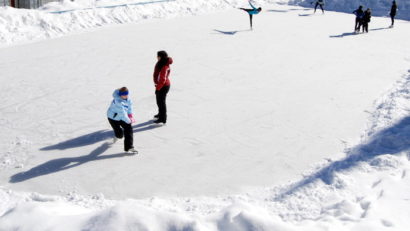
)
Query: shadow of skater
[
  {"x": 61, "y": 164},
  {"x": 91, "y": 138},
  {"x": 392, "y": 140},
  {"x": 277, "y": 11},
  {"x": 343, "y": 35},
  {"x": 145, "y": 126},
  {"x": 305, "y": 15},
  {"x": 230, "y": 32},
  {"x": 381, "y": 28},
  {"x": 296, "y": 9}
]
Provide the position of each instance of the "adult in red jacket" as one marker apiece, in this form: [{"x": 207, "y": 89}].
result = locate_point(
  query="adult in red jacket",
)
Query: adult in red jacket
[{"x": 162, "y": 84}]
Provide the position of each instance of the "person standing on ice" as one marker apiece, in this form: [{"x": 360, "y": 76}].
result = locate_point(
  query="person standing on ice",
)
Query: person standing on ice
[
  {"x": 252, "y": 11},
  {"x": 120, "y": 118},
  {"x": 393, "y": 12},
  {"x": 162, "y": 84},
  {"x": 359, "y": 18},
  {"x": 366, "y": 20},
  {"x": 320, "y": 3}
]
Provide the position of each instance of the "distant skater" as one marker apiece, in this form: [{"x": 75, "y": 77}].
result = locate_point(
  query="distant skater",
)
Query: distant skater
[
  {"x": 162, "y": 84},
  {"x": 359, "y": 18},
  {"x": 120, "y": 117},
  {"x": 252, "y": 11},
  {"x": 366, "y": 20},
  {"x": 320, "y": 3},
  {"x": 393, "y": 12}
]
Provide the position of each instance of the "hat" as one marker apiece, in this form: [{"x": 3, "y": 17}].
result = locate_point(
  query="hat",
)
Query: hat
[{"x": 123, "y": 91}]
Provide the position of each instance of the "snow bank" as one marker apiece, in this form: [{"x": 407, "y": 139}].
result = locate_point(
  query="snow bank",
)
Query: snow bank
[
  {"x": 60, "y": 18},
  {"x": 379, "y": 7},
  {"x": 367, "y": 190},
  {"x": 57, "y": 19}
]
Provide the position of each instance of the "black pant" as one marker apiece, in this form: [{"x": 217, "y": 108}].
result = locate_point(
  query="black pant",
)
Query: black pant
[
  {"x": 358, "y": 24},
  {"x": 365, "y": 26},
  {"x": 321, "y": 7},
  {"x": 161, "y": 102},
  {"x": 392, "y": 19},
  {"x": 122, "y": 129},
  {"x": 250, "y": 15}
]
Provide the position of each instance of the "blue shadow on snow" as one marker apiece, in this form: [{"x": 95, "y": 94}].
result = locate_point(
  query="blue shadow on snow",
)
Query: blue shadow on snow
[
  {"x": 230, "y": 32},
  {"x": 354, "y": 33},
  {"x": 392, "y": 140},
  {"x": 61, "y": 164},
  {"x": 305, "y": 15},
  {"x": 344, "y": 35},
  {"x": 95, "y": 137},
  {"x": 278, "y": 11},
  {"x": 381, "y": 28}
]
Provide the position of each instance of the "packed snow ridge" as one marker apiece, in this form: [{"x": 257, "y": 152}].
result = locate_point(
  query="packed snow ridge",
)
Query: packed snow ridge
[
  {"x": 60, "y": 18},
  {"x": 378, "y": 7}
]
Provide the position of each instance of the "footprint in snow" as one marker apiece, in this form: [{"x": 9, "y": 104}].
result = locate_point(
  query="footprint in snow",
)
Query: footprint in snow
[{"x": 376, "y": 183}]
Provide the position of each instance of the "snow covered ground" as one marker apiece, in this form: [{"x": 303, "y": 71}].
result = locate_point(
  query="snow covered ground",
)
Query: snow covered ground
[
  {"x": 378, "y": 7},
  {"x": 296, "y": 125}
]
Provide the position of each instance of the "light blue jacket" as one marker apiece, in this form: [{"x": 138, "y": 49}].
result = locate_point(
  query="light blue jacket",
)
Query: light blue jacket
[{"x": 120, "y": 108}]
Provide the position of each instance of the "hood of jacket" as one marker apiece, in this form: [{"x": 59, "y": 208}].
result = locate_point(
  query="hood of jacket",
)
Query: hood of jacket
[{"x": 170, "y": 61}]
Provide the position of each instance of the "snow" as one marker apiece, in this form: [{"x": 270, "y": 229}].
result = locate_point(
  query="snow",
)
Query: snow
[
  {"x": 296, "y": 125},
  {"x": 378, "y": 7}
]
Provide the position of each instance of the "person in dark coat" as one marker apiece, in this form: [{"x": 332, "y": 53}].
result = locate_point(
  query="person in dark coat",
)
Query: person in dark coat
[
  {"x": 393, "y": 12},
  {"x": 320, "y": 3},
  {"x": 162, "y": 84},
  {"x": 252, "y": 11},
  {"x": 359, "y": 18},
  {"x": 366, "y": 20}
]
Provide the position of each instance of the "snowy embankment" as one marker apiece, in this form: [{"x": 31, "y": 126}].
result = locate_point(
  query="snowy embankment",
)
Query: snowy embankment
[
  {"x": 56, "y": 19},
  {"x": 60, "y": 18},
  {"x": 378, "y": 7}
]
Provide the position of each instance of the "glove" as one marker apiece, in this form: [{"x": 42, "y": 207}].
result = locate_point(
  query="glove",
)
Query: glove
[{"x": 131, "y": 118}]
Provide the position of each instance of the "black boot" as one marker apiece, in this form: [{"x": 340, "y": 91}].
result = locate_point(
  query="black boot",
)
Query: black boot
[{"x": 158, "y": 121}]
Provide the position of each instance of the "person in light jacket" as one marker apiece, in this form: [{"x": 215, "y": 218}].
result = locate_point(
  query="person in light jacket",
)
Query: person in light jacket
[{"x": 120, "y": 118}]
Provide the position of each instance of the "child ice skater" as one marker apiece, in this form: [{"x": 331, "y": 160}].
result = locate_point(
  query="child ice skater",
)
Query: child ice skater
[{"x": 120, "y": 117}]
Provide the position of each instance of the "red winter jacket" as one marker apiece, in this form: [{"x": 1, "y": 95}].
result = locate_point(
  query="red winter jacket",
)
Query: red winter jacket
[{"x": 161, "y": 76}]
